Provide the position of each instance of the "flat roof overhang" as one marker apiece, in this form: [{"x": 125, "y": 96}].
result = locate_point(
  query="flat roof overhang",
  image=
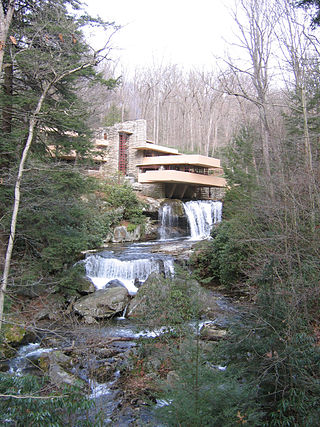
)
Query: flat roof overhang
[
  {"x": 183, "y": 159},
  {"x": 72, "y": 155},
  {"x": 179, "y": 177},
  {"x": 158, "y": 148}
]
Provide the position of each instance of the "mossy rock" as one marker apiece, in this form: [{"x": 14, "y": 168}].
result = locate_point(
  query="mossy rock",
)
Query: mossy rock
[
  {"x": 85, "y": 286},
  {"x": 14, "y": 334}
]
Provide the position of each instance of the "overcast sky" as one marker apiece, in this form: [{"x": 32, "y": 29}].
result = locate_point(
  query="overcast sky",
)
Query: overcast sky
[{"x": 184, "y": 32}]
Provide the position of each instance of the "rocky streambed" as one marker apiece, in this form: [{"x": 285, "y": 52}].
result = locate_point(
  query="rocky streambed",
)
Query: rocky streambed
[
  {"x": 110, "y": 340},
  {"x": 118, "y": 362}
]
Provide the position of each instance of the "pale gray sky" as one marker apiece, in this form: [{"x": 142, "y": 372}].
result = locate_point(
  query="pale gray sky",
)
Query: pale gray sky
[{"x": 184, "y": 32}]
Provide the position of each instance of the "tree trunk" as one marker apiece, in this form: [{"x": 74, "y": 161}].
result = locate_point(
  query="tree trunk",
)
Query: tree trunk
[
  {"x": 16, "y": 204},
  {"x": 8, "y": 90},
  {"x": 5, "y": 21}
]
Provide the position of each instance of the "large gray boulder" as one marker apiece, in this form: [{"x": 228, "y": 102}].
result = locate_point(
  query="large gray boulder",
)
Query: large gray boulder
[
  {"x": 121, "y": 234},
  {"x": 103, "y": 303},
  {"x": 58, "y": 366}
]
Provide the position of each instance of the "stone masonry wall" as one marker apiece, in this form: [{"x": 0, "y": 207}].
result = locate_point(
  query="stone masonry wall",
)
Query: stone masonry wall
[{"x": 137, "y": 132}]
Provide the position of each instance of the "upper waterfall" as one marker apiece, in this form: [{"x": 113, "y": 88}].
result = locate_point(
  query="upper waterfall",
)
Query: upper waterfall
[
  {"x": 202, "y": 214},
  {"x": 168, "y": 220}
]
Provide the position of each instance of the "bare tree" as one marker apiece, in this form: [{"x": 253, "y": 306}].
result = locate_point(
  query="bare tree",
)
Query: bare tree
[
  {"x": 300, "y": 51},
  {"x": 256, "y": 23}
]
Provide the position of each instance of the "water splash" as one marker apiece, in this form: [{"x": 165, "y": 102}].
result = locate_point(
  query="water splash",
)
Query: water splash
[
  {"x": 202, "y": 214},
  {"x": 102, "y": 269}
]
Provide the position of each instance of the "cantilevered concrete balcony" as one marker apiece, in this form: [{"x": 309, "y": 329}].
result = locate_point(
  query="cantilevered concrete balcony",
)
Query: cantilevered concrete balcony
[
  {"x": 182, "y": 159},
  {"x": 179, "y": 177},
  {"x": 149, "y": 146}
]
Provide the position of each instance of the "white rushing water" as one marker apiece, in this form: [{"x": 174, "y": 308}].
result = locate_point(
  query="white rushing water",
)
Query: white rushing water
[
  {"x": 134, "y": 264},
  {"x": 25, "y": 356},
  {"x": 167, "y": 220},
  {"x": 101, "y": 270},
  {"x": 202, "y": 214}
]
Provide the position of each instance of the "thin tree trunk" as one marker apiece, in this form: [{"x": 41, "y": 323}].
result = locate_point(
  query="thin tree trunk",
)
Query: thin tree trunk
[
  {"x": 16, "y": 204},
  {"x": 17, "y": 192},
  {"x": 308, "y": 157},
  {"x": 8, "y": 90}
]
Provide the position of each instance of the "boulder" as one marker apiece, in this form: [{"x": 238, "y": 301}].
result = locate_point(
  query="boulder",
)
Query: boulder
[
  {"x": 137, "y": 306},
  {"x": 85, "y": 286},
  {"x": 151, "y": 206},
  {"x": 103, "y": 303},
  {"x": 57, "y": 364},
  {"x": 212, "y": 332},
  {"x": 151, "y": 229},
  {"x": 59, "y": 376},
  {"x": 121, "y": 234},
  {"x": 115, "y": 283}
]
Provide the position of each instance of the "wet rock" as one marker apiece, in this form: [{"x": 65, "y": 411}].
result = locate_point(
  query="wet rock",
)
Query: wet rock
[
  {"x": 137, "y": 306},
  {"x": 85, "y": 287},
  {"x": 4, "y": 365},
  {"x": 151, "y": 206},
  {"x": 119, "y": 234},
  {"x": 212, "y": 332},
  {"x": 14, "y": 334},
  {"x": 103, "y": 303},
  {"x": 59, "y": 376},
  {"x": 58, "y": 366},
  {"x": 114, "y": 284},
  {"x": 151, "y": 229},
  {"x": 89, "y": 320},
  {"x": 123, "y": 233},
  {"x": 13, "y": 337}
]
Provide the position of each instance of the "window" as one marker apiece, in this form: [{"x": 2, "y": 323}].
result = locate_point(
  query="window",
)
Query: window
[{"x": 123, "y": 152}]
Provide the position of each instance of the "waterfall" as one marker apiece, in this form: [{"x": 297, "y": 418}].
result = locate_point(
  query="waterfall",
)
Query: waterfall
[
  {"x": 102, "y": 269},
  {"x": 168, "y": 221},
  {"x": 202, "y": 214}
]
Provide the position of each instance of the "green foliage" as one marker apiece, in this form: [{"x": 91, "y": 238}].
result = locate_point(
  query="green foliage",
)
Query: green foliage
[
  {"x": 121, "y": 195},
  {"x": 61, "y": 214},
  {"x": 170, "y": 303},
  {"x": 55, "y": 408},
  {"x": 223, "y": 259},
  {"x": 202, "y": 393},
  {"x": 278, "y": 360},
  {"x": 266, "y": 244}
]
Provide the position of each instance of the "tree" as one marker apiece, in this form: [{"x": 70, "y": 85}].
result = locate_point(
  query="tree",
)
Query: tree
[
  {"x": 49, "y": 60},
  {"x": 6, "y": 14},
  {"x": 308, "y": 4}
]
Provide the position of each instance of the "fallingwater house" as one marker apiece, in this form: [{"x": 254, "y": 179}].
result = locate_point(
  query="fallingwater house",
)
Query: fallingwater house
[{"x": 155, "y": 170}]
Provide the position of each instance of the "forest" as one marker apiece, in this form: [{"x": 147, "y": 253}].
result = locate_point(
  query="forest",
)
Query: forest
[{"x": 260, "y": 115}]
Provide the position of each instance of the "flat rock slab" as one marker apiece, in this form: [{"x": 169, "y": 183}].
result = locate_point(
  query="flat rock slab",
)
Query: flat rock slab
[{"x": 103, "y": 303}]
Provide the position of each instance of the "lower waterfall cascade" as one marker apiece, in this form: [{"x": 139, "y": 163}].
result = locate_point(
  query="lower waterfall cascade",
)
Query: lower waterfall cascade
[{"x": 130, "y": 268}]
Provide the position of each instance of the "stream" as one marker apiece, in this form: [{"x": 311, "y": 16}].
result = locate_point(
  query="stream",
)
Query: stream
[{"x": 131, "y": 265}]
